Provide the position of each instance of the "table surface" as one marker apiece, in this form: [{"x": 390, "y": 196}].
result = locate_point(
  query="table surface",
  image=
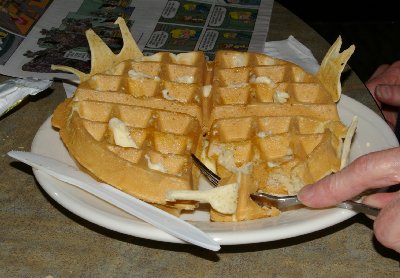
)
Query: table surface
[{"x": 38, "y": 237}]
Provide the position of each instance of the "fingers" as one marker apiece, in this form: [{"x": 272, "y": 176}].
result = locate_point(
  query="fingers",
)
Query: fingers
[
  {"x": 379, "y": 200},
  {"x": 387, "y": 223},
  {"x": 374, "y": 170},
  {"x": 388, "y": 94},
  {"x": 390, "y": 117},
  {"x": 385, "y": 74},
  {"x": 381, "y": 69}
]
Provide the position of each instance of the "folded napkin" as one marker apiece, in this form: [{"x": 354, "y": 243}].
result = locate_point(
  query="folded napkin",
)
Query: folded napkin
[
  {"x": 13, "y": 91},
  {"x": 293, "y": 51}
]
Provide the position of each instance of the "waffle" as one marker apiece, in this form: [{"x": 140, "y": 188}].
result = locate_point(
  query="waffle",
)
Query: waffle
[
  {"x": 261, "y": 123},
  {"x": 135, "y": 126},
  {"x": 272, "y": 126}
]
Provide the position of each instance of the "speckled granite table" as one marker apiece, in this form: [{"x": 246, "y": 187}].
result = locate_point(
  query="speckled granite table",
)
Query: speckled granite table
[{"x": 38, "y": 237}]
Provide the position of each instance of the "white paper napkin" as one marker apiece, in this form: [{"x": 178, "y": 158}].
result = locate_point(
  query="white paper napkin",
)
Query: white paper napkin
[
  {"x": 293, "y": 51},
  {"x": 14, "y": 90}
]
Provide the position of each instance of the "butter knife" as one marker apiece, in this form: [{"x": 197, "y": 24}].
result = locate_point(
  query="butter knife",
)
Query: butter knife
[{"x": 148, "y": 213}]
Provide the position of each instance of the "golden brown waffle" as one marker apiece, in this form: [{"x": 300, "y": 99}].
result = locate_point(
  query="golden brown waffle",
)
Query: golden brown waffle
[
  {"x": 274, "y": 127},
  {"x": 158, "y": 100},
  {"x": 260, "y": 122}
]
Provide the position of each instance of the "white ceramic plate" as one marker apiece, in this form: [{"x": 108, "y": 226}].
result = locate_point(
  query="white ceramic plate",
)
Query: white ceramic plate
[{"x": 372, "y": 134}]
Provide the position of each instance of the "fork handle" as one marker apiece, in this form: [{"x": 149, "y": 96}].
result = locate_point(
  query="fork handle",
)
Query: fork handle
[{"x": 360, "y": 207}]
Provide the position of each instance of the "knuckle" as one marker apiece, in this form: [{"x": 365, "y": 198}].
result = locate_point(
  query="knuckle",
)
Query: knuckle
[
  {"x": 362, "y": 165},
  {"x": 333, "y": 189},
  {"x": 392, "y": 166},
  {"x": 384, "y": 165}
]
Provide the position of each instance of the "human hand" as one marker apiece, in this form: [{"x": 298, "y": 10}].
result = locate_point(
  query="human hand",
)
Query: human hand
[
  {"x": 384, "y": 86},
  {"x": 374, "y": 170}
]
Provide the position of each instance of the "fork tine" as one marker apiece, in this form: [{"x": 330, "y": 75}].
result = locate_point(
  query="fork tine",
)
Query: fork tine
[
  {"x": 210, "y": 175},
  {"x": 210, "y": 178}
]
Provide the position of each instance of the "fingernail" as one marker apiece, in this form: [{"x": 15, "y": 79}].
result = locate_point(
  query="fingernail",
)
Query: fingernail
[{"x": 382, "y": 91}]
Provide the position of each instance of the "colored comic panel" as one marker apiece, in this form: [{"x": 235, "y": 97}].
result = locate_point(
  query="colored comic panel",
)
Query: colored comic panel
[
  {"x": 77, "y": 23},
  {"x": 233, "y": 18},
  {"x": 106, "y": 9},
  {"x": 59, "y": 48},
  {"x": 174, "y": 37},
  {"x": 240, "y": 2},
  {"x": 149, "y": 52},
  {"x": 185, "y": 12},
  {"x": 19, "y": 16},
  {"x": 67, "y": 45},
  {"x": 214, "y": 40},
  {"x": 64, "y": 48},
  {"x": 8, "y": 44}
]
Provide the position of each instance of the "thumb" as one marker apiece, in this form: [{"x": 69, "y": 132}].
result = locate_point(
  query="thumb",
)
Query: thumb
[
  {"x": 387, "y": 223},
  {"x": 388, "y": 94},
  {"x": 374, "y": 170}
]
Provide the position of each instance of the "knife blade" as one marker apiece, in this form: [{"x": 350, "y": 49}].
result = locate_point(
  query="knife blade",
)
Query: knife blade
[{"x": 148, "y": 213}]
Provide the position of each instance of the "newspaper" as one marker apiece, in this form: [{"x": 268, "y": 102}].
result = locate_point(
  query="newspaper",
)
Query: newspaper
[{"x": 36, "y": 34}]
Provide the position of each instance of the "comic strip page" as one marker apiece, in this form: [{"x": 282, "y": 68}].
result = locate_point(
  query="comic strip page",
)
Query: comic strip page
[
  {"x": 18, "y": 17},
  {"x": 36, "y": 34},
  {"x": 8, "y": 44}
]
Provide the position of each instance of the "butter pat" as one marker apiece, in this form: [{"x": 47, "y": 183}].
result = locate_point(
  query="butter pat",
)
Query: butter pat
[
  {"x": 280, "y": 97},
  {"x": 155, "y": 166},
  {"x": 261, "y": 80},
  {"x": 263, "y": 134},
  {"x": 207, "y": 90},
  {"x": 140, "y": 75},
  {"x": 239, "y": 61},
  {"x": 187, "y": 79},
  {"x": 166, "y": 95},
  {"x": 121, "y": 133}
]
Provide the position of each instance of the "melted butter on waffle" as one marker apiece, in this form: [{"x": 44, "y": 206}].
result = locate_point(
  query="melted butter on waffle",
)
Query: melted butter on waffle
[{"x": 262, "y": 124}]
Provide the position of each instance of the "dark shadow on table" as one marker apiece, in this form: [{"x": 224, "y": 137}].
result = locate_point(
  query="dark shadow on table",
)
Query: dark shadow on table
[{"x": 373, "y": 27}]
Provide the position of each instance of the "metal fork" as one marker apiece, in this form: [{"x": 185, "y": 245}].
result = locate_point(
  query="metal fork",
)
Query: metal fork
[
  {"x": 282, "y": 202},
  {"x": 210, "y": 175}
]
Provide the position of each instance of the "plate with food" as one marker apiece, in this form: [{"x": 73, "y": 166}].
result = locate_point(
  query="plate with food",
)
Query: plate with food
[
  {"x": 373, "y": 134},
  {"x": 260, "y": 123}
]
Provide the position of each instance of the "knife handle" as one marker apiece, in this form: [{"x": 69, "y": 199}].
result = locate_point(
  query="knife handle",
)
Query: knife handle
[{"x": 360, "y": 207}]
